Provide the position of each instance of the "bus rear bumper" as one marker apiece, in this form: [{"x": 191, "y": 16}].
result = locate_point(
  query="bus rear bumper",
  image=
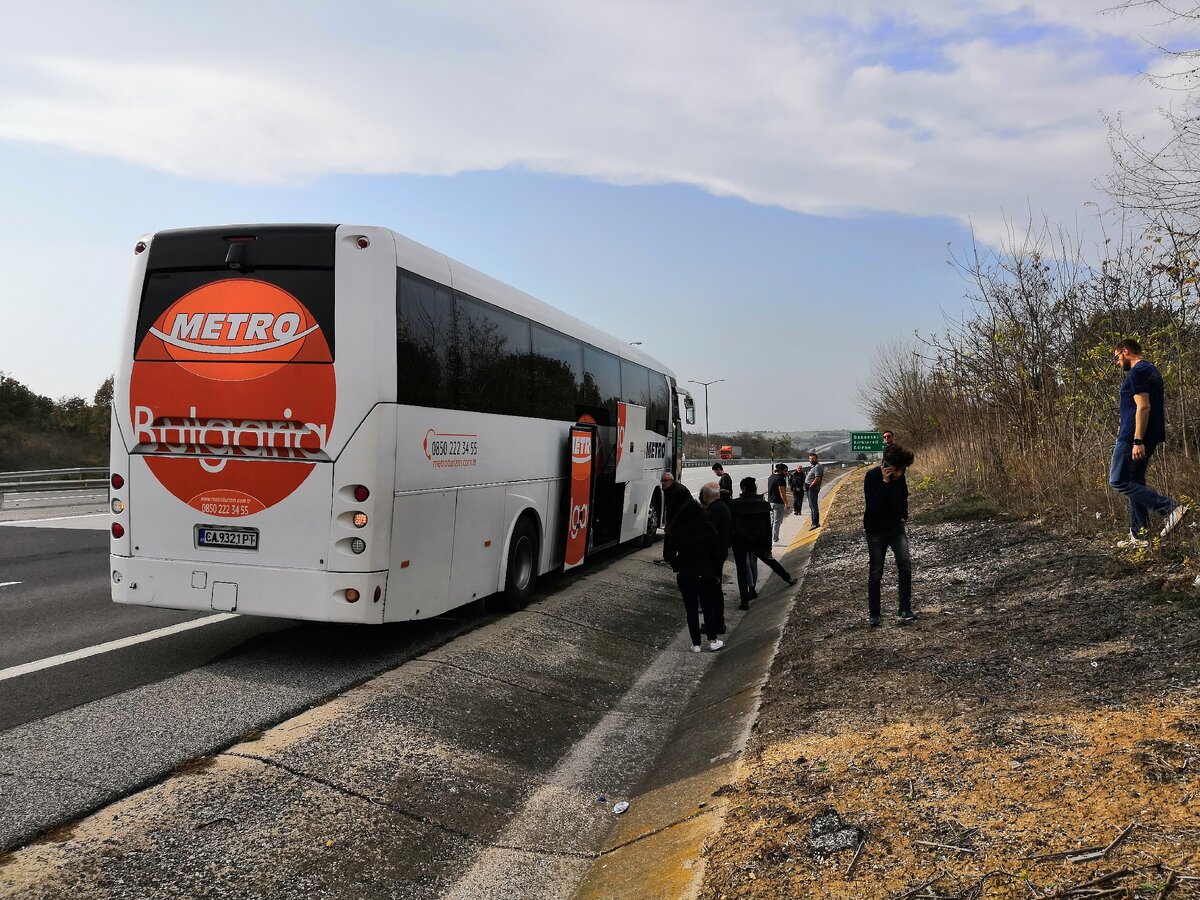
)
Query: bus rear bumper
[{"x": 310, "y": 594}]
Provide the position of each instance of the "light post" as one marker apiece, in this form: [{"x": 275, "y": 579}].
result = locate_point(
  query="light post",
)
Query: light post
[{"x": 707, "y": 439}]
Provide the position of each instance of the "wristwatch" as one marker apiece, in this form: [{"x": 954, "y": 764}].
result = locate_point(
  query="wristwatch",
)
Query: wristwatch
[{"x": 1138, "y": 442}]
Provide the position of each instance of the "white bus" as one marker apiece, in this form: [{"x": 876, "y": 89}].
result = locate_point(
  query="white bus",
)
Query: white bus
[{"x": 336, "y": 423}]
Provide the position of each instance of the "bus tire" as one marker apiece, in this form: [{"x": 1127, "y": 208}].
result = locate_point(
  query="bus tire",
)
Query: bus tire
[
  {"x": 653, "y": 520},
  {"x": 520, "y": 575}
]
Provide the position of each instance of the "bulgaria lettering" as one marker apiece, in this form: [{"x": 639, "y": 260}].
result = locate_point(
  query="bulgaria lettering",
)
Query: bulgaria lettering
[{"x": 284, "y": 438}]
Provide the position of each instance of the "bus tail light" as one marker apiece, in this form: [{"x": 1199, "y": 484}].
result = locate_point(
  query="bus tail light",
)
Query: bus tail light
[
  {"x": 361, "y": 493},
  {"x": 351, "y": 595},
  {"x": 378, "y": 592},
  {"x": 139, "y": 248},
  {"x": 358, "y": 545},
  {"x": 118, "y": 507},
  {"x": 360, "y": 520},
  {"x": 118, "y": 530},
  {"x": 118, "y": 482}
]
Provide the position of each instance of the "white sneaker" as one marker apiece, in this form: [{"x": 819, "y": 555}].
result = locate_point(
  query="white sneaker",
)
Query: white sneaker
[
  {"x": 1173, "y": 520},
  {"x": 1132, "y": 543},
  {"x": 716, "y": 645},
  {"x": 695, "y": 648}
]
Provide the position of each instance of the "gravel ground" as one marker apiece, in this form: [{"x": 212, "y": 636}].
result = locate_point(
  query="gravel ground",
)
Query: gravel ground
[{"x": 1044, "y": 706}]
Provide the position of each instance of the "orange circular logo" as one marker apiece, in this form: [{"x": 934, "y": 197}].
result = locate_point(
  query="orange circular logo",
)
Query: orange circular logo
[{"x": 226, "y": 402}]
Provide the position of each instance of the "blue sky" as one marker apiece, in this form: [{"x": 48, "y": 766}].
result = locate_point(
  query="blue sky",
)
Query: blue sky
[{"x": 763, "y": 194}]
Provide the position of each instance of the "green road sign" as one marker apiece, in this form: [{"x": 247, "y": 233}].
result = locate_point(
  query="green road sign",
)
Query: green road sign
[{"x": 866, "y": 442}]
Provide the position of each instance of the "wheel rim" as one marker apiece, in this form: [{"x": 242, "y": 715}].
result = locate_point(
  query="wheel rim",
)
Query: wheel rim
[{"x": 522, "y": 563}]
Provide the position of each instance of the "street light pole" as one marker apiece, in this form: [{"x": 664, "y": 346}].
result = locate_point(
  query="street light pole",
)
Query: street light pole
[{"x": 707, "y": 439}]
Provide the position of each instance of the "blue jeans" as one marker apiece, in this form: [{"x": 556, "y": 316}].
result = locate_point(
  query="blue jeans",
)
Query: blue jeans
[
  {"x": 778, "y": 514},
  {"x": 1127, "y": 476},
  {"x": 813, "y": 509},
  {"x": 877, "y": 547}
]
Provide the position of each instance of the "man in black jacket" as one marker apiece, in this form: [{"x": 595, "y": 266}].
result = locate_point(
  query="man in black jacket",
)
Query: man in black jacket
[
  {"x": 724, "y": 482},
  {"x": 694, "y": 557},
  {"x": 886, "y": 493},
  {"x": 750, "y": 538},
  {"x": 674, "y": 495}
]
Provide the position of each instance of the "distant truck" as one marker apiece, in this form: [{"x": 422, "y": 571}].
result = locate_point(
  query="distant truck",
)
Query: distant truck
[{"x": 729, "y": 452}]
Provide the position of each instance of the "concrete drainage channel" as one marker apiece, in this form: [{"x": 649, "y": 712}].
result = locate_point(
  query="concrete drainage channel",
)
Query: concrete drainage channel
[{"x": 473, "y": 771}]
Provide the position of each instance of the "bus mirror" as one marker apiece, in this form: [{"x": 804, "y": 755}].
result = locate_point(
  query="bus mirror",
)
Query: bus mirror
[{"x": 689, "y": 410}]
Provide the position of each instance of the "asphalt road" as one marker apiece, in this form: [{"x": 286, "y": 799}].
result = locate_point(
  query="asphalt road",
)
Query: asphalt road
[{"x": 55, "y": 600}]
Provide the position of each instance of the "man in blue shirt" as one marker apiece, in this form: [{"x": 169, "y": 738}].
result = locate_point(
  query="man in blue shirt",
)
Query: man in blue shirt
[{"x": 1142, "y": 428}]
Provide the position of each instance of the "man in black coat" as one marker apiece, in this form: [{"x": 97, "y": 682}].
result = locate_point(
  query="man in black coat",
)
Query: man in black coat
[
  {"x": 694, "y": 557},
  {"x": 674, "y": 495},
  {"x": 750, "y": 538},
  {"x": 885, "y": 491},
  {"x": 716, "y": 510}
]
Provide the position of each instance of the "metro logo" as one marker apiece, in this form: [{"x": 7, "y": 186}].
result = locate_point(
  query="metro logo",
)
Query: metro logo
[
  {"x": 224, "y": 402},
  {"x": 225, "y": 329}
]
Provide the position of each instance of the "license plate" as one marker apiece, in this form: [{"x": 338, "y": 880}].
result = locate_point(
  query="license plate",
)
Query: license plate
[{"x": 227, "y": 538}]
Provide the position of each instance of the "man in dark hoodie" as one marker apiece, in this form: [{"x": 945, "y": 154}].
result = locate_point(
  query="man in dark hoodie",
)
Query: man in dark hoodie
[
  {"x": 886, "y": 493},
  {"x": 750, "y": 538},
  {"x": 694, "y": 557}
]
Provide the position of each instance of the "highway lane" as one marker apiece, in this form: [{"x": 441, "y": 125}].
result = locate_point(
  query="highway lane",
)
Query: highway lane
[{"x": 56, "y": 600}]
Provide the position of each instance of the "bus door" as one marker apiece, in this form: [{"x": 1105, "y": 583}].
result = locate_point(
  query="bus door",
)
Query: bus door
[{"x": 583, "y": 444}]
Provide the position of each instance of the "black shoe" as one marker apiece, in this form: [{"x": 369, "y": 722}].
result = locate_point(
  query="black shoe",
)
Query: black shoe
[
  {"x": 873, "y": 621},
  {"x": 753, "y": 594},
  {"x": 744, "y": 605},
  {"x": 905, "y": 616},
  {"x": 793, "y": 582}
]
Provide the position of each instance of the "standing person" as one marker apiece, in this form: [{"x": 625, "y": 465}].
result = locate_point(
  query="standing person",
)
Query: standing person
[
  {"x": 751, "y": 540},
  {"x": 694, "y": 560},
  {"x": 724, "y": 482},
  {"x": 777, "y": 499},
  {"x": 812, "y": 486},
  {"x": 796, "y": 486},
  {"x": 716, "y": 511},
  {"x": 885, "y": 491},
  {"x": 673, "y": 496},
  {"x": 1142, "y": 428}
]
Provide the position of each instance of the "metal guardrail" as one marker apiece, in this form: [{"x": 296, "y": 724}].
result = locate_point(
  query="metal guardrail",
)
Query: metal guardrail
[{"x": 53, "y": 487}]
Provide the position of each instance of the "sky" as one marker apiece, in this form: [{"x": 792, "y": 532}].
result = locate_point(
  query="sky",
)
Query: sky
[{"x": 764, "y": 193}]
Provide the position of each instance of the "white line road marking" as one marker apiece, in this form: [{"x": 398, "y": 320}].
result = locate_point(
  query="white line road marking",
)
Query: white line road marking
[
  {"x": 8, "y": 583},
  {"x": 51, "y": 661},
  {"x": 99, "y": 521}
]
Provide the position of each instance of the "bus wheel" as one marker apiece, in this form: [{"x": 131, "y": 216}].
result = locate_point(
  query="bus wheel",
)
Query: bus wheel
[
  {"x": 652, "y": 519},
  {"x": 521, "y": 575}
]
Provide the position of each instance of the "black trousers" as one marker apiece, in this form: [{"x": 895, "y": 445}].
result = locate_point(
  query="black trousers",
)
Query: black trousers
[
  {"x": 742, "y": 557},
  {"x": 698, "y": 595}
]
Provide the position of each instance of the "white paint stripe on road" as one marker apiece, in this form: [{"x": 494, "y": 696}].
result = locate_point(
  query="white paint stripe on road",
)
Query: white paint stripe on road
[
  {"x": 98, "y": 521},
  {"x": 52, "y": 661},
  {"x": 8, "y": 583}
]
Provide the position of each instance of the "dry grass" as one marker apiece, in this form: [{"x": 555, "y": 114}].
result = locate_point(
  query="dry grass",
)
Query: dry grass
[{"x": 1047, "y": 698}]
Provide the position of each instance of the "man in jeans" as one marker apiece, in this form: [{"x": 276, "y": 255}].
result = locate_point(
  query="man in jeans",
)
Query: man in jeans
[
  {"x": 812, "y": 486},
  {"x": 1142, "y": 428},
  {"x": 885, "y": 491},
  {"x": 776, "y": 495}
]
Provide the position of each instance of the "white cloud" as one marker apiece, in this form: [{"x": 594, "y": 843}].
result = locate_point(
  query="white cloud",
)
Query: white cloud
[{"x": 780, "y": 104}]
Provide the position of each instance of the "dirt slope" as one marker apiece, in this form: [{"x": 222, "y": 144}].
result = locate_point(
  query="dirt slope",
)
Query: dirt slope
[{"x": 1047, "y": 699}]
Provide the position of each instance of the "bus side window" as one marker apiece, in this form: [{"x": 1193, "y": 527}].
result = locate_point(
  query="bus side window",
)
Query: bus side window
[
  {"x": 635, "y": 384},
  {"x": 557, "y": 374},
  {"x": 424, "y": 335},
  {"x": 659, "y": 413},
  {"x": 494, "y": 352},
  {"x": 601, "y": 382}
]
